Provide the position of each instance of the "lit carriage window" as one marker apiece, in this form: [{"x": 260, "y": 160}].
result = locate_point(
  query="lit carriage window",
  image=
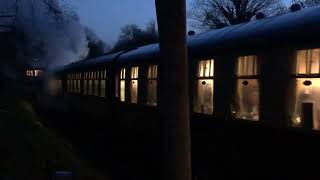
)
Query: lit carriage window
[
  {"x": 152, "y": 85},
  {"x": 38, "y": 73},
  {"x": 305, "y": 90},
  {"x": 85, "y": 83},
  {"x": 68, "y": 83},
  {"x": 79, "y": 83},
  {"x": 75, "y": 90},
  {"x": 96, "y": 83},
  {"x": 247, "y": 96},
  {"x": 103, "y": 75},
  {"x": 90, "y": 88},
  {"x": 307, "y": 62},
  {"x": 31, "y": 72},
  {"x": 123, "y": 85},
  {"x": 134, "y": 84},
  {"x": 203, "y": 100},
  {"x": 28, "y": 73}
]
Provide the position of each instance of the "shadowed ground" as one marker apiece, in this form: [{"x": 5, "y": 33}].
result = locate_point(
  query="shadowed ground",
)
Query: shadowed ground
[{"x": 29, "y": 151}]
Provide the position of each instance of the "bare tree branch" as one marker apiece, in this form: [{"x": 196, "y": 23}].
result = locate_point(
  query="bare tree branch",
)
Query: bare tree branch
[{"x": 211, "y": 14}]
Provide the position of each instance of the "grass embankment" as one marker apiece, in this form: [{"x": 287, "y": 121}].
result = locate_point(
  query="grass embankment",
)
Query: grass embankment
[{"x": 30, "y": 151}]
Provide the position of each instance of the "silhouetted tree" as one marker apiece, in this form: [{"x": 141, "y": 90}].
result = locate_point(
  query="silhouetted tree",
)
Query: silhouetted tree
[
  {"x": 307, "y": 3},
  {"x": 96, "y": 47},
  {"x": 212, "y": 14},
  {"x": 132, "y": 36}
]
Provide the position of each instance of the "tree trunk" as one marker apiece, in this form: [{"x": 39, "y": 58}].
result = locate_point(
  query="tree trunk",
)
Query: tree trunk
[{"x": 173, "y": 85}]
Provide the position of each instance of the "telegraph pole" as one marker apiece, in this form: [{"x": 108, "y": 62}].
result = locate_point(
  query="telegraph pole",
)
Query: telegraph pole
[{"x": 173, "y": 85}]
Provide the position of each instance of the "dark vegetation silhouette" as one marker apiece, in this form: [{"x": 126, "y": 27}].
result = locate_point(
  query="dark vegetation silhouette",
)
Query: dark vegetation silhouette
[
  {"x": 131, "y": 36},
  {"x": 96, "y": 47},
  {"x": 212, "y": 14},
  {"x": 306, "y": 3}
]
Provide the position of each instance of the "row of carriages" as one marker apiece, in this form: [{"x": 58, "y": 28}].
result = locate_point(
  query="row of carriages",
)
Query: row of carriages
[{"x": 254, "y": 93}]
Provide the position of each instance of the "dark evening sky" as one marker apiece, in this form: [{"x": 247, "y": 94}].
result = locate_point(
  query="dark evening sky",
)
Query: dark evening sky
[{"x": 106, "y": 17}]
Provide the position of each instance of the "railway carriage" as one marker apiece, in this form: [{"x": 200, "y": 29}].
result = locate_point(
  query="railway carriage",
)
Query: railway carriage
[{"x": 254, "y": 88}]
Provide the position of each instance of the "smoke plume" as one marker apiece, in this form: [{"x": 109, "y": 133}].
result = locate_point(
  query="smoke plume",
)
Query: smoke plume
[{"x": 49, "y": 32}]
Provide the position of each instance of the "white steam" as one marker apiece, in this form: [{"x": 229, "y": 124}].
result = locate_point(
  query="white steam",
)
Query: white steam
[{"x": 50, "y": 32}]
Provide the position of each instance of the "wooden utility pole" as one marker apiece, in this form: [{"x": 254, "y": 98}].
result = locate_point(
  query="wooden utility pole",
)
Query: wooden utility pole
[{"x": 173, "y": 85}]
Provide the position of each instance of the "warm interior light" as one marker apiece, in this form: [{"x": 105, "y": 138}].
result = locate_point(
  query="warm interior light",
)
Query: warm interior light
[
  {"x": 306, "y": 94},
  {"x": 308, "y": 61},
  {"x": 204, "y": 96},
  {"x": 298, "y": 120},
  {"x": 247, "y": 100},
  {"x": 152, "y": 85},
  {"x": 206, "y": 68},
  {"x": 247, "y": 66}
]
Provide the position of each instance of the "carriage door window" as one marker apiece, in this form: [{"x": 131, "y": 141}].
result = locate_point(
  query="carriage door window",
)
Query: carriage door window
[
  {"x": 152, "y": 85},
  {"x": 247, "y": 95},
  {"x": 305, "y": 90},
  {"x": 90, "y": 89},
  {"x": 79, "y": 83},
  {"x": 103, "y": 75},
  {"x": 203, "y": 101},
  {"x": 96, "y": 83},
  {"x": 71, "y": 83},
  {"x": 68, "y": 83},
  {"x": 123, "y": 85},
  {"x": 134, "y": 84},
  {"x": 85, "y": 84},
  {"x": 74, "y": 83}
]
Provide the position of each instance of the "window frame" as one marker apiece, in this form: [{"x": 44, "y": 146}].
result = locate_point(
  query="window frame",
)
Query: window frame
[
  {"x": 122, "y": 79},
  {"x": 150, "y": 78},
  {"x": 254, "y": 75},
  {"x": 294, "y": 76},
  {"x": 199, "y": 77},
  {"x": 103, "y": 77},
  {"x": 131, "y": 80}
]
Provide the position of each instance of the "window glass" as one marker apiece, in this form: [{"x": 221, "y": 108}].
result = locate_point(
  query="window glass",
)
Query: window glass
[
  {"x": 152, "y": 85},
  {"x": 79, "y": 86},
  {"x": 85, "y": 84},
  {"x": 203, "y": 100},
  {"x": 103, "y": 75},
  {"x": 37, "y": 72},
  {"x": 71, "y": 83},
  {"x": 206, "y": 68},
  {"x": 306, "y": 105},
  {"x": 247, "y": 66},
  {"x": 134, "y": 84},
  {"x": 153, "y": 72},
  {"x": 75, "y": 83},
  {"x": 305, "y": 90},
  {"x": 247, "y": 99},
  {"x": 96, "y": 87},
  {"x": 103, "y": 88},
  {"x": 134, "y": 91},
  {"x": 123, "y": 85},
  {"x": 90, "y": 88},
  {"x": 123, "y": 90},
  {"x": 204, "y": 96},
  {"x": 308, "y": 61}
]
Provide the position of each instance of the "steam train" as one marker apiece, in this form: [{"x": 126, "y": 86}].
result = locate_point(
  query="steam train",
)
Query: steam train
[{"x": 254, "y": 90}]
